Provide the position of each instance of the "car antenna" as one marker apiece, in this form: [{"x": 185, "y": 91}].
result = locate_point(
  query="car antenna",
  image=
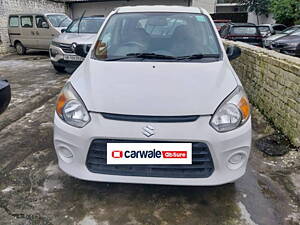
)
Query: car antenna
[{"x": 80, "y": 20}]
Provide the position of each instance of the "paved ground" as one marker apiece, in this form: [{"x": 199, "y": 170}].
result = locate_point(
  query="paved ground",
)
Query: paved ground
[{"x": 34, "y": 191}]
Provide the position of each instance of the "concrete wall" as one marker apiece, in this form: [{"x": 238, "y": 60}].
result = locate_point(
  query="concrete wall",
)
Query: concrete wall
[
  {"x": 272, "y": 82},
  {"x": 209, "y": 5},
  {"x": 104, "y": 8},
  {"x": 22, "y": 6},
  {"x": 252, "y": 18}
]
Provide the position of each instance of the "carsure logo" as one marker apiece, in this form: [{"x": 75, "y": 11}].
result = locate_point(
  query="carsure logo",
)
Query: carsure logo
[{"x": 149, "y": 153}]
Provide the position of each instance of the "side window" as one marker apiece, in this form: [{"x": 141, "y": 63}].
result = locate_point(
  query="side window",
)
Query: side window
[
  {"x": 27, "y": 21},
  {"x": 224, "y": 31},
  {"x": 14, "y": 21},
  {"x": 39, "y": 20}
]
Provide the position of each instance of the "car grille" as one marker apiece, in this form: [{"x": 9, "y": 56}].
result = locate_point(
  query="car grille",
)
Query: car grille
[
  {"x": 201, "y": 167},
  {"x": 67, "y": 48}
]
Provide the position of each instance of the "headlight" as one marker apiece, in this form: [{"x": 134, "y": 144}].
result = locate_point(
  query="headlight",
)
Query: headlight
[
  {"x": 71, "y": 109},
  {"x": 232, "y": 113},
  {"x": 54, "y": 43}
]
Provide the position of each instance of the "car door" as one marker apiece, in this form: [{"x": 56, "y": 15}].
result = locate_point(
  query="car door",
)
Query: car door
[
  {"x": 43, "y": 32},
  {"x": 27, "y": 32}
]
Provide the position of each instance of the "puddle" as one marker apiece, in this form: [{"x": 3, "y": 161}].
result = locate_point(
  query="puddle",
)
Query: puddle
[
  {"x": 89, "y": 220},
  {"x": 245, "y": 215},
  {"x": 273, "y": 145}
]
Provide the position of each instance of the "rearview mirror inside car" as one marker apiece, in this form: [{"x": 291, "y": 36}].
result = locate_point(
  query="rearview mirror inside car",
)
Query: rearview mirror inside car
[
  {"x": 233, "y": 52},
  {"x": 82, "y": 50},
  {"x": 5, "y": 95}
]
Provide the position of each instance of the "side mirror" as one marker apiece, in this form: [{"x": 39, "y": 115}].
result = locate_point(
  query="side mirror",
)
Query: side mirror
[
  {"x": 233, "y": 52},
  {"x": 5, "y": 95},
  {"x": 45, "y": 25},
  {"x": 63, "y": 30},
  {"x": 82, "y": 50}
]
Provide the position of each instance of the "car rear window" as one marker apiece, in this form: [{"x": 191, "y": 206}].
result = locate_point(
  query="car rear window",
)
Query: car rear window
[
  {"x": 264, "y": 29},
  {"x": 244, "y": 30}
]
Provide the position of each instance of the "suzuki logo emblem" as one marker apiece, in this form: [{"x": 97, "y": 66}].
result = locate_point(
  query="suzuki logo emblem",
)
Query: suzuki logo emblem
[{"x": 148, "y": 131}]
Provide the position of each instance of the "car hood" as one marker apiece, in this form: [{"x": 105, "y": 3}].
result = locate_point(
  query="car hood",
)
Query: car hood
[
  {"x": 69, "y": 38},
  {"x": 275, "y": 37},
  {"x": 289, "y": 39},
  {"x": 153, "y": 88}
]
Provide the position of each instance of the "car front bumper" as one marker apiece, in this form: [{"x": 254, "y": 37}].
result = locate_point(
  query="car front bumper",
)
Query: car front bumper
[
  {"x": 57, "y": 57},
  {"x": 75, "y": 143}
]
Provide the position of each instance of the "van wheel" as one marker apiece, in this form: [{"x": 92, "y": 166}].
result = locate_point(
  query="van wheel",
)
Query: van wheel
[
  {"x": 21, "y": 50},
  {"x": 59, "y": 69}
]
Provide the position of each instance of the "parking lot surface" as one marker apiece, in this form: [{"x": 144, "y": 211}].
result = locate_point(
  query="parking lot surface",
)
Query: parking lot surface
[{"x": 33, "y": 190}]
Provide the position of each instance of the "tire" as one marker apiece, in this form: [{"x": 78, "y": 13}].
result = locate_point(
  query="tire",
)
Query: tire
[
  {"x": 21, "y": 50},
  {"x": 59, "y": 69}
]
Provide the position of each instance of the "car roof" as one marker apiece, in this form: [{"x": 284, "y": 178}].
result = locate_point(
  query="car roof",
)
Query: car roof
[
  {"x": 243, "y": 24},
  {"x": 91, "y": 17},
  {"x": 160, "y": 8},
  {"x": 33, "y": 14}
]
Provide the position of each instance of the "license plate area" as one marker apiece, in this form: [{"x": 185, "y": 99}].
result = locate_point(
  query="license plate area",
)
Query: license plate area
[
  {"x": 73, "y": 58},
  {"x": 149, "y": 153}
]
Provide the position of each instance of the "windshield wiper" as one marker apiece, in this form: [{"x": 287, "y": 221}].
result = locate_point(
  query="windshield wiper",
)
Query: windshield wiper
[
  {"x": 198, "y": 56},
  {"x": 142, "y": 56}
]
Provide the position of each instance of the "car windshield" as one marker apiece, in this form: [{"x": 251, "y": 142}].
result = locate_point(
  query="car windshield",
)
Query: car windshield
[
  {"x": 244, "y": 31},
  {"x": 264, "y": 29},
  {"x": 59, "y": 20},
  {"x": 297, "y": 32},
  {"x": 289, "y": 30},
  {"x": 162, "y": 36},
  {"x": 87, "y": 25}
]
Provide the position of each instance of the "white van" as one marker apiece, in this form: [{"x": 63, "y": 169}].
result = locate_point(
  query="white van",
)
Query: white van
[
  {"x": 155, "y": 101},
  {"x": 35, "y": 31}
]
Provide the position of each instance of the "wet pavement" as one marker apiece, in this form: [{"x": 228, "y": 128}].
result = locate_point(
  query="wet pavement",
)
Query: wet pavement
[{"x": 34, "y": 191}]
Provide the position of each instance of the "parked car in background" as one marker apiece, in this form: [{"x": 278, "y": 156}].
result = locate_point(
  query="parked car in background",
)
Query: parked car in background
[
  {"x": 131, "y": 113},
  {"x": 270, "y": 29},
  {"x": 268, "y": 41},
  {"x": 79, "y": 32},
  {"x": 247, "y": 33},
  {"x": 289, "y": 44},
  {"x": 35, "y": 31},
  {"x": 220, "y": 23},
  {"x": 5, "y": 95}
]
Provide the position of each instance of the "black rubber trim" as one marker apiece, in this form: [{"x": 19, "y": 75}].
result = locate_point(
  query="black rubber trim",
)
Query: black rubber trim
[{"x": 152, "y": 119}]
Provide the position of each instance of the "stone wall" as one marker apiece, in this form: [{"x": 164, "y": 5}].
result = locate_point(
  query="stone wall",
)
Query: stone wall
[
  {"x": 272, "y": 82},
  {"x": 23, "y": 6}
]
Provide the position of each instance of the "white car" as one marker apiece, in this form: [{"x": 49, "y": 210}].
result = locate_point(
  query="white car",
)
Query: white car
[
  {"x": 155, "y": 101},
  {"x": 80, "y": 31}
]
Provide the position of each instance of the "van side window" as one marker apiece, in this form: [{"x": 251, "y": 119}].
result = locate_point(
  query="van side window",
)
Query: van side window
[
  {"x": 14, "y": 21},
  {"x": 27, "y": 21},
  {"x": 39, "y": 21}
]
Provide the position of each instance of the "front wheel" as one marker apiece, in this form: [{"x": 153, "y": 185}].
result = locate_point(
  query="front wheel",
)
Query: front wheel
[
  {"x": 21, "y": 50},
  {"x": 59, "y": 69}
]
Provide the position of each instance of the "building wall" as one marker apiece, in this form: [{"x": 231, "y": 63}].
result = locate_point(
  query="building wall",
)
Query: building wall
[
  {"x": 252, "y": 18},
  {"x": 272, "y": 82},
  {"x": 22, "y": 6},
  {"x": 104, "y": 8},
  {"x": 209, "y": 5}
]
